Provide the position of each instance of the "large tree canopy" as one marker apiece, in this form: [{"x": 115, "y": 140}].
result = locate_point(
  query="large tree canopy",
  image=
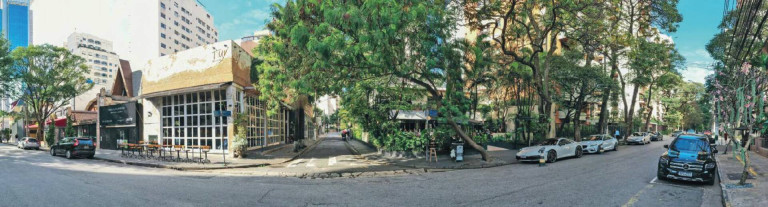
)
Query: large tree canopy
[{"x": 377, "y": 55}]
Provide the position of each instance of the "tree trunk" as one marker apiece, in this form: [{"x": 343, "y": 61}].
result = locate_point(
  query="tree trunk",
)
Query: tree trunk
[
  {"x": 603, "y": 122},
  {"x": 650, "y": 108},
  {"x": 469, "y": 141},
  {"x": 631, "y": 112},
  {"x": 577, "y": 125}
]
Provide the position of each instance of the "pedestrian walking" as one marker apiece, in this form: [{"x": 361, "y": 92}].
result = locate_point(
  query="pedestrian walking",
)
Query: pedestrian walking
[{"x": 617, "y": 134}]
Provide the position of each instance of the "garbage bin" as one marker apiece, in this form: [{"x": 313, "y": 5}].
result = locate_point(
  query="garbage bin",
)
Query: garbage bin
[{"x": 458, "y": 151}]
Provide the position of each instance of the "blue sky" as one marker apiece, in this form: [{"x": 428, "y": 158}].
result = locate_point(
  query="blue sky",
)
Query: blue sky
[
  {"x": 699, "y": 25},
  {"x": 239, "y": 18}
]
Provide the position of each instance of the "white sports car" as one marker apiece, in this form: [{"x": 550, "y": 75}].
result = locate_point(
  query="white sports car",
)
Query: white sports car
[
  {"x": 599, "y": 143},
  {"x": 551, "y": 150},
  {"x": 639, "y": 138}
]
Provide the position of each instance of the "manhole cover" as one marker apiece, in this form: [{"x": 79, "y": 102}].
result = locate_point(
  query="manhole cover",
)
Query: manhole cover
[{"x": 737, "y": 176}]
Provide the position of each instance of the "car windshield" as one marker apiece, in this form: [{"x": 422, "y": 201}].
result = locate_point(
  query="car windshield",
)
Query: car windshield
[
  {"x": 594, "y": 138},
  {"x": 637, "y": 134},
  {"x": 32, "y": 140},
  {"x": 549, "y": 142},
  {"x": 690, "y": 145}
]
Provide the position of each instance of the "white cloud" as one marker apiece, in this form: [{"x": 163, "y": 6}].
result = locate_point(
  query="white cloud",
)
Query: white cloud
[
  {"x": 695, "y": 74},
  {"x": 246, "y": 23}
]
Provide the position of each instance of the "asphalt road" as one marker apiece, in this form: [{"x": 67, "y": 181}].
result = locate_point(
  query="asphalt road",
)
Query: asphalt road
[{"x": 623, "y": 178}]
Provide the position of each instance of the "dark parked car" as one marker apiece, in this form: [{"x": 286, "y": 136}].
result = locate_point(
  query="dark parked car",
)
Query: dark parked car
[
  {"x": 657, "y": 136},
  {"x": 676, "y": 133},
  {"x": 689, "y": 158},
  {"x": 74, "y": 147}
]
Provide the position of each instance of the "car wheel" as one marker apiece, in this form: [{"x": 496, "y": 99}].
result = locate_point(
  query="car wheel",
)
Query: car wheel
[
  {"x": 599, "y": 149},
  {"x": 37, "y": 148},
  {"x": 615, "y": 147},
  {"x": 551, "y": 156},
  {"x": 579, "y": 152},
  {"x": 69, "y": 154},
  {"x": 710, "y": 182},
  {"x": 53, "y": 153},
  {"x": 90, "y": 157}
]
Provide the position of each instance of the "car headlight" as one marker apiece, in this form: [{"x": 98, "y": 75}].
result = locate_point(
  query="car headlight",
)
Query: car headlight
[
  {"x": 541, "y": 150},
  {"x": 664, "y": 160},
  {"x": 710, "y": 165}
]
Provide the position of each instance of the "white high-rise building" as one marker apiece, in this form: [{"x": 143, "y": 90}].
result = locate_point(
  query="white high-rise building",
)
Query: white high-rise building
[
  {"x": 140, "y": 29},
  {"x": 102, "y": 63}
]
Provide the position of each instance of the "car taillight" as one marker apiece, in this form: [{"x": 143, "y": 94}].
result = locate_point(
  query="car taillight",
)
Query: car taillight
[{"x": 77, "y": 142}]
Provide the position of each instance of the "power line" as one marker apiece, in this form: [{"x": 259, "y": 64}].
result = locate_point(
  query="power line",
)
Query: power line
[
  {"x": 749, "y": 28},
  {"x": 740, "y": 11}
]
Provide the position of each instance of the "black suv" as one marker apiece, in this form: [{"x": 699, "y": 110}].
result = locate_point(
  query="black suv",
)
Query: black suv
[
  {"x": 74, "y": 147},
  {"x": 689, "y": 158}
]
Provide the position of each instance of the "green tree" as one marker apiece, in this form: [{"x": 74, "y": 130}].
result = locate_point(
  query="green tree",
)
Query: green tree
[
  {"x": 377, "y": 55},
  {"x": 50, "y": 76},
  {"x": 69, "y": 130},
  {"x": 526, "y": 32},
  {"x": 7, "y": 84},
  {"x": 577, "y": 84},
  {"x": 50, "y": 135}
]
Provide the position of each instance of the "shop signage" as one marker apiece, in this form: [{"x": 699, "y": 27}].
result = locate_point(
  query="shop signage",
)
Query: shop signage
[
  {"x": 222, "y": 113},
  {"x": 119, "y": 114}
]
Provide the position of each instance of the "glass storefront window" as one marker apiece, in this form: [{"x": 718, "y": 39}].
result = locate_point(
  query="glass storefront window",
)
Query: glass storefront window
[{"x": 187, "y": 119}]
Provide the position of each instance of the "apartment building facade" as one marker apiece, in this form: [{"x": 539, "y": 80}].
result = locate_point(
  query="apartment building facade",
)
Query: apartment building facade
[{"x": 146, "y": 29}]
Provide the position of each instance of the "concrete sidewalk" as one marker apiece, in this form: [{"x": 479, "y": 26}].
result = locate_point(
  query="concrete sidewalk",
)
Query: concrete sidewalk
[
  {"x": 730, "y": 168},
  {"x": 255, "y": 158},
  {"x": 499, "y": 156}
]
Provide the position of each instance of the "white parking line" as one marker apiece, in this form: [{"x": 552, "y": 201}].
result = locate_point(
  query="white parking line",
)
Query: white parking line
[
  {"x": 331, "y": 161},
  {"x": 654, "y": 180}
]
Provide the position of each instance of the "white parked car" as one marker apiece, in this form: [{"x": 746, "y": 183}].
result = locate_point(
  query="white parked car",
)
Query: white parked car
[
  {"x": 29, "y": 143},
  {"x": 551, "y": 150},
  {"x": 639, "y": 138},
  {"x": 599, "y": 143}
]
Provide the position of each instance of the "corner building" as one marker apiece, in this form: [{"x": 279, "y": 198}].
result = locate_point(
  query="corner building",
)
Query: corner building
[{"x": 181, "y": 93}]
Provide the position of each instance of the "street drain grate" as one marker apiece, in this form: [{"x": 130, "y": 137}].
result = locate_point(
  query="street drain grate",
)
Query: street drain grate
[{"x": 737, "y": 176}]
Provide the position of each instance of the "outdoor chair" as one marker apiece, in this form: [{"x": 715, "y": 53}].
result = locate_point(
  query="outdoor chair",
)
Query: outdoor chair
[
  {"x": 205, "y": 150},
  {"x": 432, "y": 152},
  {"x": 178, "y": 149}
]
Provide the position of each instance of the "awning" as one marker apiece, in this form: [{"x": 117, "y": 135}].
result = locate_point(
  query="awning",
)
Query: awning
[
  {"x": 60, "y": 122},
  {"x": 410, "y": 115},
  {"x": 186, "y": 90}
]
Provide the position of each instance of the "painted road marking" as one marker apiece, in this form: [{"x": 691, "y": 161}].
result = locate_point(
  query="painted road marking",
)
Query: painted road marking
[
  {"x": 633, "y": 199},
  {"x": 654, "y": 180},
  {"x": 331, "y": 161},
  {"x": 310, "y": 164},
  {"x": 295, "y": 163}
]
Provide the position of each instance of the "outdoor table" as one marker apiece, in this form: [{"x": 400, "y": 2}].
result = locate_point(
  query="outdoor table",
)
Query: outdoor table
[{"x": 152, "y": 148}]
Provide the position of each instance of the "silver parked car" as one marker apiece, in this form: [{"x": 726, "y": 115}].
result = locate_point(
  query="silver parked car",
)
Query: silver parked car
[
  {"x": 599, "y": 143},
  {"x": 28, "y": 143},
  {"x": 639, "y": 138}
]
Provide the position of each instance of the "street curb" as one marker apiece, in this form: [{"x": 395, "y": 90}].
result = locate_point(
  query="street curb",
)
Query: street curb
[
  {"x": 356, "y": 152},
  {"x": 724, "y": 194},
  {"x": 273, "y": 150},
  {"x": 176, "y": 168},
  {"x": 305, "y": 150}
]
